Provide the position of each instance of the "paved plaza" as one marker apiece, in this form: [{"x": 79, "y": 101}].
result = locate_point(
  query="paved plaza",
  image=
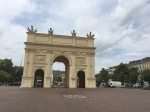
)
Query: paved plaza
[{"x": 15, "y": 99}]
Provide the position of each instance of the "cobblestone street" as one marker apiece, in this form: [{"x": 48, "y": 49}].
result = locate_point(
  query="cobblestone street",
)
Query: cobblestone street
[{"x": 15, "y": 99}]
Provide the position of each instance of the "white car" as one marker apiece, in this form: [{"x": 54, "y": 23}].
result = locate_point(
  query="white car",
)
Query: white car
[
  {"x": 115, "y": 84},
  {"x": 136, "y": 85}
]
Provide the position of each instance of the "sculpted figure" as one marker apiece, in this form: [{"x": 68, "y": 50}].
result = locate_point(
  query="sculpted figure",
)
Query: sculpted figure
[
  {"x": 90, "y": 35},
  {"x": 73, "y": 33},
  {"x": 50, "y": 31},
  {"x": 32, "y": 30}
]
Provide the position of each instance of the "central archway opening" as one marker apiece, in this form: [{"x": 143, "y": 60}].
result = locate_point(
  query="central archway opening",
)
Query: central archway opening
[
  {"x": 60, "y": 71},
  {"x": 80, "y": 79},
  {"x": 39, "y": 78}
]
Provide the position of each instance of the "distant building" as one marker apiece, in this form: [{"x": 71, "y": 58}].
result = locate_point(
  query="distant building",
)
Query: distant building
[
  {"x": 141, "y": 64},
  {"x": 58, "y": 73},
  {"x": 111, "y": 70}
]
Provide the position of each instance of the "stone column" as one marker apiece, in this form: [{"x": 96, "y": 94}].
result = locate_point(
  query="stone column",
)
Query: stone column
[
  {"x": 25, "y": 63},
  {"x": 72, "y": 72},
  {"x": 92, "y": 80},
  {"x": 27, "y": 79},
  {"x": 24, "y": 79},
  {"x": 48, "y": 75}
]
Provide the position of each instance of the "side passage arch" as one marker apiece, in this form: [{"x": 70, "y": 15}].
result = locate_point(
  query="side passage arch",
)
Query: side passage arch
[
  {"x": 81, "y": 79},
  {"x": 39, "y": 78}
]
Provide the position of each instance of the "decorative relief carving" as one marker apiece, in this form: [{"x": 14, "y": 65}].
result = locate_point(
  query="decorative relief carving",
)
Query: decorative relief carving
[
  {"x": 81, "y": 69},
  {"x": 74, "y": 52},
  {"x": 41, "y": 51},
  {"x": 29, "y": 50},
  {"x": 68, "y": 53},
  {"x": 56, "y": 51},
  {"x": 91, "y": 53},
  {"x": 49, "y": 51},
  {"x": 81, "y": 53},
  {"x": 39, "y": 67},
  {"x": 40, "y": 58},
  {"x": 81, "y": 60},
  {"x": 61, "y": 52}
]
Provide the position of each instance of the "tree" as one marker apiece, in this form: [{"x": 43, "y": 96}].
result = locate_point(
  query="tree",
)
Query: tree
[
  {"x": 59, "y": 79},
  {"x": 6, "y": 70},
  {"x": 96, "y": 76},
  {"x": 18, "y": 73},
  {"x": 146, "y": 75},
  {"x": 121, "y": 73},
  {"x": 133, "y": 75},
  {"x": 2, "y": 76},
  {"x": 6, "y": 65},
  {"x": 102, "y": 76},
  {"x": 5, "y": 77}
]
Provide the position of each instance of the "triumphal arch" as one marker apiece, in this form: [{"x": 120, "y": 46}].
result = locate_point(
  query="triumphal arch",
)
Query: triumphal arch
[{"x": 77, "y": 54}]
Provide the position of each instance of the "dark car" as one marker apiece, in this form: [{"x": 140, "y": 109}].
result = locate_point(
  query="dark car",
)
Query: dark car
[{"x": 15, "y": 84}]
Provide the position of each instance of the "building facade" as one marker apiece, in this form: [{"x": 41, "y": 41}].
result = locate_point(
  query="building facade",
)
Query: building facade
[
  {"x": 141, "y": 64},
  {"x": 111, "y": 70}
]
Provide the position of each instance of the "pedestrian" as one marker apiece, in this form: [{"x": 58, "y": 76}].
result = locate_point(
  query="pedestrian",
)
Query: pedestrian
[{"x": 58, "y": 84}]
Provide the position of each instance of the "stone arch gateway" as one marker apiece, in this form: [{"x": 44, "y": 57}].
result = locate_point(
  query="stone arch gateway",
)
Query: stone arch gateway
[{"x": 42, "y": 50}]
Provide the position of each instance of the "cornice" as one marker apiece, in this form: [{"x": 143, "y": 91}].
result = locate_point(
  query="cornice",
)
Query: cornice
[
  {"x": 64, "y": 46},
  {"x": 55, "y": 36}
]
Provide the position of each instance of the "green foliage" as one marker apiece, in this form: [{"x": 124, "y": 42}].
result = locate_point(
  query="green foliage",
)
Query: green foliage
[
  {"x": 96, "y": 76},
  {"x": 6, "y": 65},
  {"x": 133, "y": 75},
  {"x": 146, "y": 75},
  {"x": 6, "y": 70},
  {"x": 39, "y": 77},
  {"x": 102, "y": 76},
  {"x": 121, "y": 73},
  {"x": 18, "y": 72},
  {"x": 59, "y": 79},
  {"x": 5, "y": 77}
]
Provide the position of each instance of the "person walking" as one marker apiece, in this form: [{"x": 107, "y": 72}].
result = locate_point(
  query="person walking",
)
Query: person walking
[{"x": 58, "y": 84}]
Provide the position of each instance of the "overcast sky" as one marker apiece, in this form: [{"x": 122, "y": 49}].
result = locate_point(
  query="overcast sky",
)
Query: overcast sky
[{"x": 121, "y": 27}]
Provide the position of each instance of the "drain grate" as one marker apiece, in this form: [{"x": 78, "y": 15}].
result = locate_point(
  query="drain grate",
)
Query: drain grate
[{"x": 75, "y": 96}]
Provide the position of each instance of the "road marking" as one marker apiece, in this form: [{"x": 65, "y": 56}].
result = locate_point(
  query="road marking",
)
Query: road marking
[{"x": 75, "y": 96}]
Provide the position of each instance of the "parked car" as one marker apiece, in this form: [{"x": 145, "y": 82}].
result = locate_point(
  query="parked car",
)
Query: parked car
[
  {"x": 115, "y": 84},
  {"x": 136, "y": 85},
  {"x": 14, "y": 84},
  {"x": 38, "y": 83}
]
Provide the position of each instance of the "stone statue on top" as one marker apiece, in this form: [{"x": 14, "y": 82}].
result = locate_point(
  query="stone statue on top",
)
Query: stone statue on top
[
  {"x": 90, "y": 35},
  {"x": 31, "y": 30},
  {"x": 73, "y": 33}
]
